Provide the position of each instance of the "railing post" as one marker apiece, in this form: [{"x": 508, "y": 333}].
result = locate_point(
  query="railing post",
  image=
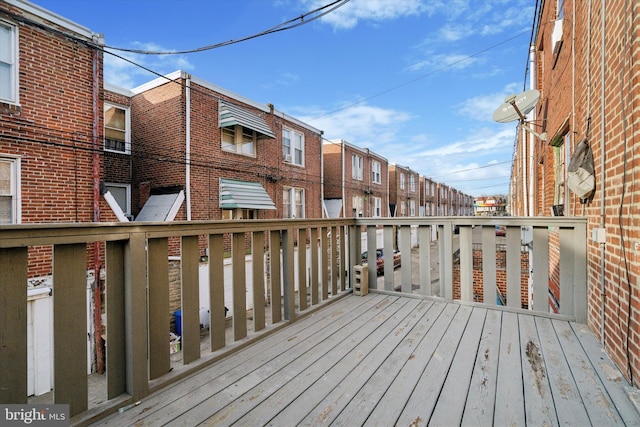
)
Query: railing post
[
  {"x": 115, "y": 311},
  {"x": 540, "y": 268},
  {"x": 405, "y": 251},
  {"x": 135, "y": 297},
  {"x": 69, "y": 334},
  {"x": 388, "y": 260},
  {"x": 13, "y": 327},
  {"x": 580, "y": 272},
  {"x": 216, "y": 291},
  {"x": 466, "y": 263},
  {"x": 446, "y": 260},
  {"x": 514, "y": 266},
  {"x": 190, "y": 302},
  {"x": 275, "y": 246},
  {"x": 288, "y": 279},
  {"x": 372, "y": 246},
  {"x": 159, "y": 320},
  {"x": 355, "y": 251},
  {"x": 302, "y": 268},
  {"x": 239, "y": 286},
  {"x": 424, "y": 255}
]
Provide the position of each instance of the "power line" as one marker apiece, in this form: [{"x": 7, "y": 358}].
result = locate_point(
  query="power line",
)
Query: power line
[{"x": 292, "y": 23}]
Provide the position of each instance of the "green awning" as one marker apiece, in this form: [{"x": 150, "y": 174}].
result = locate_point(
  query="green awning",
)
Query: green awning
[
  {"x": 236, "y": 194},
  {"x": 231, "y": 115}
]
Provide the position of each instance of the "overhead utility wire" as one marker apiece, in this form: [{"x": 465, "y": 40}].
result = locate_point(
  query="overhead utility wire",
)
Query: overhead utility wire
[{"x": 292, "y": 23}]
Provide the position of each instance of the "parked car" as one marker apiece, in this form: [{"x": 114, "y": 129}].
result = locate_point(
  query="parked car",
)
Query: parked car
[
  {"x": 397, "y": 259},
  {"x": 501, "y": 230}
]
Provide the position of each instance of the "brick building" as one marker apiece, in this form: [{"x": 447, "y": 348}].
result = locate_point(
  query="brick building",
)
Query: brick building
[
  {"x": 355, "y": 181},
  {"x": 404, "y": 191},
  {"x": 585, "y": 64},
  {"x": 201, "y": 152},
  {"x": 51, "y": 114}
]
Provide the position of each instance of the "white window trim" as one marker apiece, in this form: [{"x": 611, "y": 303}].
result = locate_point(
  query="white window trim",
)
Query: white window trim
[
  {"x": 292, "y": 148},
  {"x": 127, "y": 130},
  {"x": 412, "y": 183},
  {"x": 16, "y": 185},
  {"x": 376, "y": 172},
  {"x": 377, "y": 206},
  {"x": 15, "y": 92},
  {"x": 357, "y": 167},
  {"x": 403, "y": 181},
  {"x": 292, "y": 200},
  {"x": 127, "y": 188},
  {"x": 237, "y": 134}
]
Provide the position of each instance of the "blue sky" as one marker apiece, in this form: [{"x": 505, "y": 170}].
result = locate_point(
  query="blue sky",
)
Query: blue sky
[{"x": 415, "y": 81}]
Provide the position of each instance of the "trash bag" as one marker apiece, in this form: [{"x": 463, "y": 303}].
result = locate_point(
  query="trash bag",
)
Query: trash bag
[{"x": 581, "y": 172}]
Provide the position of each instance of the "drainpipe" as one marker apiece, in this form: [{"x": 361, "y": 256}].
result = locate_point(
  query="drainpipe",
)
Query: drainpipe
[
  {"x": 533, "y": 84},
  {"x": 187, "y": 144},
  {"x": 97, "y": 293},
  {"x": 603, "y": 172},
  {"x": 344, "y": 199}
]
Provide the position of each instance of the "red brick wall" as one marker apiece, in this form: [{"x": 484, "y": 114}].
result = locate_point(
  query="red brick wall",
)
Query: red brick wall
[
  {"x": 51, "y": 130},
  {"x": 608, "y": 123},
  {"x": 332, "y": 154}
]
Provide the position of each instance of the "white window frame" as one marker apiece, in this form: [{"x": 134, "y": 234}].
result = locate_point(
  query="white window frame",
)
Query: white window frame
[
  {"x": 357, "y": 204},
  {"x": 376, "y": 172},
  {"x": 357, "y": 167},
  {"x": 412, "y": 183},
  {"x": 10, "y": 61},
  {"x": 377, "y": 206},
  {"x": 293, "y": 147},
  {"x": 14, "y": 188},
  {"x": 289, "y": 200},
  {"x": 238, "y": 146},
  {"x": 403, "y": 181},
  {"x": 127, "y": 187},
  {"x": 127, "y": 130},
  {"x": 403, "y": 208},
  {"x": 412, "y": 208}
]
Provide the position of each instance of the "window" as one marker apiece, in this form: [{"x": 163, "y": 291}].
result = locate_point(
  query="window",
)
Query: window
[
  {"x": 403, "y": 180},
  {"x": 412, "y": 208},
  {"x": 293, "y": 203},
  {"x": 9, "y": 190},
  {"x": 293, "y": 147},
  {"x": 377, "y": 206},
  {"x": 560, "y": 170},
  {"x": 8, "y": 63},
  {"x": 559, "y": 9},
  {"x": 117, "y": 134},
  {"x": 357, "y": 204},
  {"x": 403, "y": 209},
  {"x": 229, "y": 214},
  {"x": 376, "y": 169},
  {"x": 122, "y": 194},
  {"x": 356, "y": 167},
  {"x": 239, "y": 139},
  {"x": 412, "y": 183}
]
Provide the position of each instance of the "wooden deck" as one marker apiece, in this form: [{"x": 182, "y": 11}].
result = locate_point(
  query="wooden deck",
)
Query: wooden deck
[{"x": 385, "y": 360}]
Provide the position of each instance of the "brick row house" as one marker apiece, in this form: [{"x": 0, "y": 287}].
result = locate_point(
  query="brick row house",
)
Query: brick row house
[
  {"x": 355, "y": 181},
  {"x": 200, "y": 152},
  {"x": 584, "y": 62}
]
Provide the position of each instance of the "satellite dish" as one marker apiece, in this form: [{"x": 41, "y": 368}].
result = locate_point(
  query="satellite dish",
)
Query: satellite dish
[{"x": 515, "y": 107}]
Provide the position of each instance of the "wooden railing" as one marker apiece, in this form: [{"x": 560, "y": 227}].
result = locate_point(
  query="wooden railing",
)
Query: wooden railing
[{"x": 295, "y": 267}]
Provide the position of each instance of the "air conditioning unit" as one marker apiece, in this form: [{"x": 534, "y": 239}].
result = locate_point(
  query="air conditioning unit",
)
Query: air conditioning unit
[
  {"x": 287, "y": 158},
  {"x": 556, "y": 36}
]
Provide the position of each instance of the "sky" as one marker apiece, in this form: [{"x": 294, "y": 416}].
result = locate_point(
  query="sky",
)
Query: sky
[{"x": 415, "y": 81}]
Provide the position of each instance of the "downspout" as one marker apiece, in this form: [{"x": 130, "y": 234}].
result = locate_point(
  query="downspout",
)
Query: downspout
[
  {"x": 187, "y": 143},
  {"x": 533, "y": 84},
  {"x": 97, "y": 292},
  {"x": 603, "y": 173},
  {"x": 322, "y": 174},
  {"x": 344, "y": 200}
]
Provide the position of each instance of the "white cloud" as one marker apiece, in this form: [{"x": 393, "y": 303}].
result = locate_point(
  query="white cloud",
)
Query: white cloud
[
  {"x": 361, "y": 124},
  {"x": 482, "y": 107},
  {"x": 349, "y": 15}
]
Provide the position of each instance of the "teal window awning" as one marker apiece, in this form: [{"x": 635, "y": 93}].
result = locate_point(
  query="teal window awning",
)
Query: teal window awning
[
  {"x": 235, "y": 194},
  {"x": 230, "y": 115}
]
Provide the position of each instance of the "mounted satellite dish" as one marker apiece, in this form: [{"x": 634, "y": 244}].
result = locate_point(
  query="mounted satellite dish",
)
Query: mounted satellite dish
[{"x": 516, "y": 107}]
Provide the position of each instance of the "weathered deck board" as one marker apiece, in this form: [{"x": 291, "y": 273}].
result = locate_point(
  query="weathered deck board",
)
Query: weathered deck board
[{"x": 389, "y": 360}]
